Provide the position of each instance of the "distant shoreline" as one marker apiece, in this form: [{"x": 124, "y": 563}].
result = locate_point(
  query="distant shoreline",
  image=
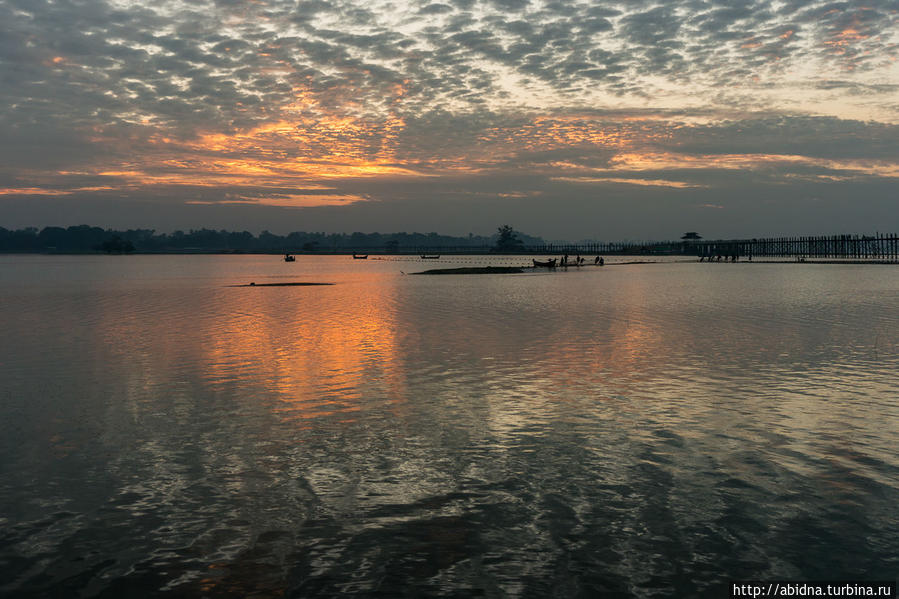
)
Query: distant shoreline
[{"x": 376, "y": 256}]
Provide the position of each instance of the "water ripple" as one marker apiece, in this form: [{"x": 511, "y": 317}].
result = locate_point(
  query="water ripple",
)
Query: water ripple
[{"x": 636, "y": 430}]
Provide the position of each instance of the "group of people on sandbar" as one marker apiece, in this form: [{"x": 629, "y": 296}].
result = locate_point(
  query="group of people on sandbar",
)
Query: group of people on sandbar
[
  {"x": 578, "y": 261},
  {"x": 730, "y": 258}
]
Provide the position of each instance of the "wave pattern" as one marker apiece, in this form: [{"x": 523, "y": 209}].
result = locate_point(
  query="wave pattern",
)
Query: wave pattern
[{"x": 634, "y": 430}]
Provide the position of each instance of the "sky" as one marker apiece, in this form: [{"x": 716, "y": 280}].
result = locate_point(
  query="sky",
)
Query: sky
[{"x": 568, "y": 120}]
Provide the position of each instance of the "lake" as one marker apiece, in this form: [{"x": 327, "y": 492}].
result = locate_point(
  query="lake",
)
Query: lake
[{"x": 632, "y": 430}]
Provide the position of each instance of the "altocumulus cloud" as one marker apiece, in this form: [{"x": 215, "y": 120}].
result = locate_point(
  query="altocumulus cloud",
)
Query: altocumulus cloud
[{"x": 328, "y": 113}]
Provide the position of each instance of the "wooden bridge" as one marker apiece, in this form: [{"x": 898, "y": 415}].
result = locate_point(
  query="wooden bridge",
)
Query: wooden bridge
[
  {"x": 871, "y": 248},
  {"x": 878, "y": 248}
]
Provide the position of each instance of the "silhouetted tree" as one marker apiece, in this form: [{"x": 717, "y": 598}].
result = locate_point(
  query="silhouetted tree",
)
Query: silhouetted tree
[
  {"x": 116, "y": 245},
  {"x": 22, "y": 240},
  {"x": 84, "y": 238},
  {"x": 507, "y": 239}
]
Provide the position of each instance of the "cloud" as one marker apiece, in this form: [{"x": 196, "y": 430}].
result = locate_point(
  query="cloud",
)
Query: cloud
[
  {"x": 791, "y": 135},
  {"x": 222, "y": 101}
]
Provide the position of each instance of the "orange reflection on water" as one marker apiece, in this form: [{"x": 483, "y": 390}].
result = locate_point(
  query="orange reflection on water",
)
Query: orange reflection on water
[{"x": 319, "y": 353}]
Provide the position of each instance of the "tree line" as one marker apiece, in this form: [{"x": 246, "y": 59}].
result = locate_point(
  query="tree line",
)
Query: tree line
[{"x": 85, "y": 238}]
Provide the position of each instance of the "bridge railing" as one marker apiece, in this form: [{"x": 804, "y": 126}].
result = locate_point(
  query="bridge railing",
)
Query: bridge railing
[{"x": 878, "y": 247}]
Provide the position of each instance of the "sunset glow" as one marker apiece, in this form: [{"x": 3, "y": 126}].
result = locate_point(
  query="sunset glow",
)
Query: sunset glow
[{"x": 402, "y": 107}]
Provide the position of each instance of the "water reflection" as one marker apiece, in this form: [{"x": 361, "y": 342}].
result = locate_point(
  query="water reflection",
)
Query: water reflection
[
  {"x": 646, "y": 430},
  {"x": 316, "y": 351}
]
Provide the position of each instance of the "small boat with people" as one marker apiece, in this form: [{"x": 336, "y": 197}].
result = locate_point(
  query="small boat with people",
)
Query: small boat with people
[
  {"x": 289, "y": 258},
  {"x": 545, "y": 263},
  {"x": 360, "y": 256},
  {"x": 426, "y": 257}
]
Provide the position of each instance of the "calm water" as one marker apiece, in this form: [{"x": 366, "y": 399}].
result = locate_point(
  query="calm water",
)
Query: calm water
[{"x": 636, "y": 430}]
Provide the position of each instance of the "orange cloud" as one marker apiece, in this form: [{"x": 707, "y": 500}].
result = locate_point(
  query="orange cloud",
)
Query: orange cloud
[
  {"x": 643, "y": 182},
  {"x": 289, "y": 200},
  {"x": 33, "y": 191},
  {"x": 49, "y": 192},
  {"x": 841, "y": 41},
  {"x": 667, "y": 160}
]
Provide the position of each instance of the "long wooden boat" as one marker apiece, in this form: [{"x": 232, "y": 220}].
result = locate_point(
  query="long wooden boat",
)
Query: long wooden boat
[
  {"x": 546, "y": 263},
  {"x": 360, "y": 256},
  {"x": 425, "y": 257}
]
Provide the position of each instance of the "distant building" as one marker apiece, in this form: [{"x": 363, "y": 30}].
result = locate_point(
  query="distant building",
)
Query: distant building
[{"x": 691, "y": 235}]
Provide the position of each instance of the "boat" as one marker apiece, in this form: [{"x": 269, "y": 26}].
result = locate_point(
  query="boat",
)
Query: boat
[
  {"x": 289, "y": 258},
  {"x": 546, "y": 263},
  {"x": 360, "y": 256},
  {"x": 426, "y": 257}
]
